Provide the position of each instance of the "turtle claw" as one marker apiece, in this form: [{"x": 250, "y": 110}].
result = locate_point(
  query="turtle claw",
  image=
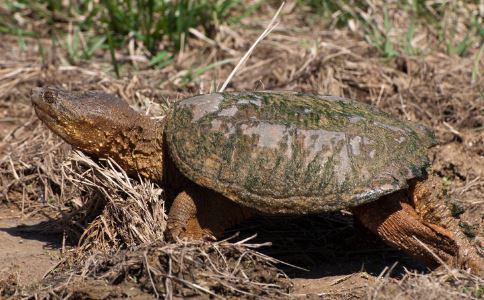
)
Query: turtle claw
[
  {"x": 173, "y": 233},
  {"x": 182, "y": 233},
  {"x": 207, "y": 236}
]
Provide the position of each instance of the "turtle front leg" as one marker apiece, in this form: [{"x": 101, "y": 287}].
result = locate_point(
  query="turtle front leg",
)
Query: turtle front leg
[
  {"x": 397, "y": 223},
  {"x": 199, "y": 213}
]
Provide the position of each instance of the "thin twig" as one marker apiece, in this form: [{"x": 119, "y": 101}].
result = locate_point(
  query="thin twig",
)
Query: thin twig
[
  {"x": 244, "y": 58},
  {"x": 446, "y": 266},
  {"x": 148, "y": 270}
]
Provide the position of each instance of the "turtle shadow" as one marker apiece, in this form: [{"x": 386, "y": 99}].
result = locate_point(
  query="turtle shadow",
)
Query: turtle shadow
[
  {"x": 325, "y": 245},
  {"x": 56, "y": 232},
  {"x": 42, "y": 231}
]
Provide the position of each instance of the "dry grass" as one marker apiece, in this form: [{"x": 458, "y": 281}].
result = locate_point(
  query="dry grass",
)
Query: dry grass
[
  {"x": 118, "y": 222},
  {"x": 446, "y": 285},
  {"x": 221, "y": 270},
  {"x": 124, "y": 245},
  {"x": 133, "y": 213}
]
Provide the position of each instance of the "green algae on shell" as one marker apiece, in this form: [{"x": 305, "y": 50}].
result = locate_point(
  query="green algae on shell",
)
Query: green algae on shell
[{"x": 294, "y": 153}]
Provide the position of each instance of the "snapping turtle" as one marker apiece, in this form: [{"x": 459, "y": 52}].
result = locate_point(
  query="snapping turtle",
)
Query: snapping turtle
[{"x": 228, "y": 156}]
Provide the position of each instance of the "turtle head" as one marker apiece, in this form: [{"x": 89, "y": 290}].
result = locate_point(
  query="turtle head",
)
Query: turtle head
[
  {"x": 102, "y": 125},
  {"x": 86, "y": 120}
]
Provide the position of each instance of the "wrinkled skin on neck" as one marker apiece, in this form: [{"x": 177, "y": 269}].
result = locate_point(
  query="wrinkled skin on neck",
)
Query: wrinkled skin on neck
[{"x": 102, "y": 126}]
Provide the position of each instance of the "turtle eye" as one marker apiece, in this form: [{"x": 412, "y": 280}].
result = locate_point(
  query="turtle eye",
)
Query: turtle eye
[{"x": 49, "y": 96}]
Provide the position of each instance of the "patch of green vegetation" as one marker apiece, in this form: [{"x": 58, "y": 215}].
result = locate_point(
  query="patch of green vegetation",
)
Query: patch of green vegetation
[
  {"x": 382, "y": 40},
  {"x": 335, "y": 11},
  {"x": 80, "y": 48},
  {"x": 468, "y": 230},
  {"x": 441, "y": 17},
  {"x": 476, "y": 68},
  {"x": 446, "y": 182},
  {"x": 192, "y": 74},
  {"x": 82, "y": 27},
  {"x": 380, "y": 19},
  {"x": 409, "y": 35},
  {"x": 456, "y": 210},
  {"x": 459, "y": 48},
  {"x": 478, "y": 292},
  {"x": 152, "y": 21}
]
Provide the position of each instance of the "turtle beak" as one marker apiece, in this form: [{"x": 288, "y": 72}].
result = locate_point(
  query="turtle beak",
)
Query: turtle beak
[
  {"x": 36, "y": 97},
  {"x": 36, "y": 93}
]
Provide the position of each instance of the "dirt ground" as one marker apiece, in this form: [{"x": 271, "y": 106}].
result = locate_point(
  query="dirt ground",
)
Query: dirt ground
[
  {"x": 45, "y": 208},
  {"x": 28, "y": 254}
]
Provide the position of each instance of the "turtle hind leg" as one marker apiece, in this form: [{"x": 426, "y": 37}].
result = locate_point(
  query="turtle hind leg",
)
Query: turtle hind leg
[
  {"x": 397, "y": 223},
  {"x": 198, "y": 213}
]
